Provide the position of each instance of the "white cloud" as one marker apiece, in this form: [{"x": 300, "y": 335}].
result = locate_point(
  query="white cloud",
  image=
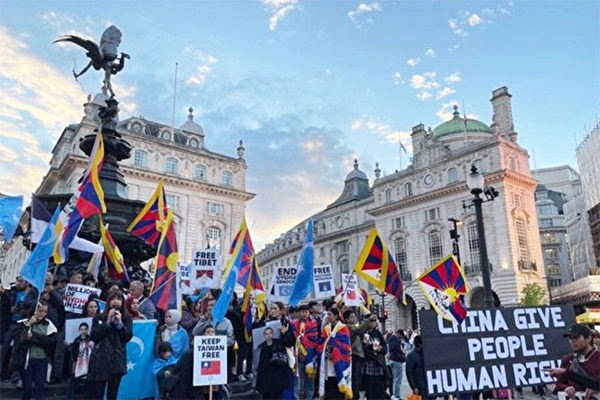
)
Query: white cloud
[
  {"x": 385, "y": 131},
  {"x": 454, "y": 26},
  {"x": 430, "y": 53},
  {"x": 413, "y": 61},
  {"x": 445, "y": 113},
  {"x": 424, "y": 95},
  {"x": 203, "y": 67},
  {"x": 425, "y": 81},
  {"x": 453, "y": 78},
  {"x": 363, "y": 8},
  {"x": 398, "y": 78},
  {"x": 278, "y": 16},
  {"x": 468, "y": 20},
  {"x": 474, "y": 20},
  {"x": 445, "y": 92},
  {"x": 278, "y": 9}
]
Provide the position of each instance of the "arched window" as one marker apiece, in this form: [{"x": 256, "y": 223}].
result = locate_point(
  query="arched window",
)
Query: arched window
[
  {"x": 436, "y": 251},
  {"x": 479, "y": 165},
  {"x": 521, "y": 227},
  {"x": 401, "y": 257},
  {"x": 408, "y": 189},
  {"x": 200, "y": 172},
  {"x": 172, "y": 165},
  {"x": 473, "y": 237},
  {"x": 227, "y": 178},
  {"x": 452, "y": 175},
  {"x": 344, "y": 266},
  {"x": 213, "y": 234},
  {"x": 388, "y": 195},
  {"x": 140, "y": 158}
]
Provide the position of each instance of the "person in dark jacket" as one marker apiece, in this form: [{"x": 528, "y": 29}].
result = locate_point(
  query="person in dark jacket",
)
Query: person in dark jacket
[
  {"x": 235, "y": 315},
  {"x": 375, "y": 371},
  {"x": 415, "y": 369},
  {"x": 33, "y": 351},
  {"x": 80, "y": 352},
  {"x": 272, "y": 379},
  {"x": 111, "y": 331}
]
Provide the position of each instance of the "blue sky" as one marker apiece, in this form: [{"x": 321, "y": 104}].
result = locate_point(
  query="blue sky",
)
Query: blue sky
[{"x": 308, "y": 85}]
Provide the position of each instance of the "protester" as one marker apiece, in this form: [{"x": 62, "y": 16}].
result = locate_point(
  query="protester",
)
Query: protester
[
  {"x": 375, "y": 371},
  {"x": 358, "y": 354},
  {"x": 80, "y": 351},
  {"x": 91, "y": 307},
  {"x": 415, "y": 369},
  {"x": 224, "y": 327},
  {"x": 33, "y": 351},
  {"x": 580, "y": 370},
  {"x": 164, "y": 370},
  {"x": 111, "y": 331},
  {"x": 306, "y": 334},
  {"x": 235, "y": 315},
  {"x": 274, "y": 374},
  {"x": 191, "y": 313},
  {"x": 147, "y": 309},
  {"x": 397, "y": 355},
  {"x": 171, "y": 332},
  {"x": 335, "y": 376},
  {"x": 132, "y": 304}
]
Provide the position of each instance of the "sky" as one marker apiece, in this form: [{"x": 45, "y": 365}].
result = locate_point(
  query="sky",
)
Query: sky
[{"x": 308, "y": 85}]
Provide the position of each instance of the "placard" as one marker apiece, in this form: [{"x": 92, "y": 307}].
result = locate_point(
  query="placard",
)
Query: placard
[
  {"x": 77, "y": 295},
  {"x": 205, "y": 269},
  {"x": 350, "y": 290},
  {"x": 258, "y": 334},
  {"x": 283, "y": 281},
  {"x": 494, "y": 349},
  {"x": 323, "y": 279},
  {"x": 73, "y": 327},
  {"x": 184, "y": 278},
  {"x": 210, "y": 360}
]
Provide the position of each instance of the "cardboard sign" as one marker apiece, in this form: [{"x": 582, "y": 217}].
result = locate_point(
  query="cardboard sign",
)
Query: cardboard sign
[
  {"x": 323, "y": 278},
  {"x": 494, "y": 349},
  {"x": 184, "y": 278},
  {"x": 210, "y": 360},
  {"x": 77, "y": 295},
  {"x": 283, "y": 281},
  {"x": 205, "y": 269},
  {"x": 258, "y": 334},
  {"x": 350, "y": 290},
  {"x": 73, "y": 328}
]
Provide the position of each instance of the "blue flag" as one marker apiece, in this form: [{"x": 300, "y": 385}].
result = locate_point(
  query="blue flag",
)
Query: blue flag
[
  {"x": 34, "y": 269},
  {"x": 220, "y": 307},
  {"x": 139, "y": 383},
  {"x": 10, "y": 214},
  {"x": 304, "y": 282}
]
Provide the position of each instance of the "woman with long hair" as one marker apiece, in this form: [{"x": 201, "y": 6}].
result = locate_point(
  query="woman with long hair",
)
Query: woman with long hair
[{"x": 111, "y": 331}]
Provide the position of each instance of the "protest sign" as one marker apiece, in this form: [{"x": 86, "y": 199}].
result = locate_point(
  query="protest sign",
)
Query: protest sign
[
  {"x": 350, "y": 290},
  {"x": 283, "y": 281},
  {"x": 210, "y": 360},
  {"x": 323, "y": 278},
  {"x": 77, "y": 295},
  {"x": 73, "y": 328},
  {"x": 258, "y": 334},
  {"x": 493, "y": 349},
  {"x": 184, "y": 278},
  {"x": 205, "y": 269}
]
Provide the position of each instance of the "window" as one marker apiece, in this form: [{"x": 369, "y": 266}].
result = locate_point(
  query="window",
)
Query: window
[
  {"x": 554, "y": 282},
  {"x": 172, "y": 165},
  {"x": 548, "y": 238},
  {"x": 342, "y": 248},
  {"x": 388, "y": 195},
  {"x": 512, "y": 164},
  {"x": 435, "y": 247},
  {"x": 554, "y": 269},
  {"x": 545, "y": 223},
  {"x": 140, "y": 158},
  {"x": 398, "y": 223},
  {"x": 321, "y": 251},
  {"x": 551, "y": 252},
  {"x": 452, "y": 175},
  {"x": 408, "y": 189},
  {"x": 227, "y": 178},
  {"x": 522, "y": 239},
  {"x": 216, "y": 209},
  {"x": 432, "y": 214},
  {"x": 541, "y": 195},
  {"x": 401, "y": 258},
  {"x": 473, "y": 237},
  {"x": 200, "y": 172},
  {"x": 213, "y": 233},
  {"x": 517, "y": 200},
  {"x": 344, "y": 266},
  {"x": 547, "y": 209},
  {"x": 479, "y": 165},
  {"x": 172, "y": 201}
]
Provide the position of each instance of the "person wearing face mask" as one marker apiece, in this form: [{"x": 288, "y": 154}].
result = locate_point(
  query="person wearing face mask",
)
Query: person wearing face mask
[
  {"x": 171, "y": 332},
  {"x": 111, "y": 331}
]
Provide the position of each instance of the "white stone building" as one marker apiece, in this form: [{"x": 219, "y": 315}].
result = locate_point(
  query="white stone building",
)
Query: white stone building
[{"x": 410, "y": 210}]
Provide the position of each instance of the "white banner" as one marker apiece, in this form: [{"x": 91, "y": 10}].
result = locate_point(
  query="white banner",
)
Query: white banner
[
  {"x": 205, "y": 269},
  {"x": 210, "y": 360},
  {"x": 283, "y": 280},
  {"x": 77, "y": 295},
  {"x": 184, "y": 278},
  {"x": 323, "y": 278},
  {"x": 350, "y": 290}
]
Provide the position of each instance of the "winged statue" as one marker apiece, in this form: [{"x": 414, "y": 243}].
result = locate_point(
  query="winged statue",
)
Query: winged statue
[{"x": 103, "y": 56}]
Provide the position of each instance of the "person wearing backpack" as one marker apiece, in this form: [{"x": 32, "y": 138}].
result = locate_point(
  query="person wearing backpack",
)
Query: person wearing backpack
[{"x": 397, "y": 357}]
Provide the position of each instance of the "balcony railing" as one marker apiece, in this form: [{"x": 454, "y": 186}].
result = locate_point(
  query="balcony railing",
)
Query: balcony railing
[
  {"x": 527, "y": 266},
  {"x": 474, "y": 270}
]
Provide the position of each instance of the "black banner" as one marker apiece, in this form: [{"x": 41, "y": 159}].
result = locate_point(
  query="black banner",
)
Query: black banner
[{"x": 493, "y": 349}]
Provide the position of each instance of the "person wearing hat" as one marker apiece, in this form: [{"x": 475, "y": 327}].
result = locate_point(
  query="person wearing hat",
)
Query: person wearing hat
[{"x": 580, "y": 370}]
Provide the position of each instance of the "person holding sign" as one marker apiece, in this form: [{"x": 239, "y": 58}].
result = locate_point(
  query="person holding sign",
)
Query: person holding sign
[
  {"x": 580, "y": 370},
  {"x": 274, "y": 374}
]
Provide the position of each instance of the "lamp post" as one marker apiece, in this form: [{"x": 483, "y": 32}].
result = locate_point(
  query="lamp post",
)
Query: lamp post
[
  {"x": 475, "y": 181},
  {"x": 383, "y": 312},
  {"x": 455, "y": 236}
]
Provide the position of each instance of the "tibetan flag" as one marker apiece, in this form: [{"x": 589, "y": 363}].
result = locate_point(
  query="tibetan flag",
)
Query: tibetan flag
[
  {"x": 10, "y": 214},
  {"x": 254, "y": 296},
  {"x": 373, "y": 261},
  {"x": 164, "y": 292},
  {"x": 393, "y": 283},
  {"x": 91, "y": 199},
  {"x": 149, "y": 223},
  {"x": 304, "y": 282},
  {"x": 112, "y": 256},
  {"x": 247, "y": 253},
  {"x": 443, "y": 284},
  {"x": 95, "y": 161}
]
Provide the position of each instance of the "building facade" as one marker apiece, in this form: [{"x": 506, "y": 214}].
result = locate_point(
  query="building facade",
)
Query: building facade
[
  {"x": 205, "y": 190},
  {"x": 411, "y": 208}
]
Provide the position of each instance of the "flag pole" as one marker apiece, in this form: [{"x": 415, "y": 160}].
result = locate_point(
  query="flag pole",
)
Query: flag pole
[{"x": 210, "y": 396}]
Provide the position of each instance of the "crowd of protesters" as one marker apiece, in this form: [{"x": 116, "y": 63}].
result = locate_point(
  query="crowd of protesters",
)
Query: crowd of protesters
[{"x": 299, "y": 357}]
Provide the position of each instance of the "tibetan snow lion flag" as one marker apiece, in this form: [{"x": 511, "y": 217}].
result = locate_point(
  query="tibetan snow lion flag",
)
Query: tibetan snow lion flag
[
  {"x": 149, "y": 224},
  {"x": 443, "y": 285},
  {"x": 164, "y": 293}
]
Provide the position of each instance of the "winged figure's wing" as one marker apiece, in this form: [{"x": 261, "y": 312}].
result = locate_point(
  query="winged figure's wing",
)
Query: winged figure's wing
[
  {"x": 93, "y": 49},
  {"x": 110, "y": 41}
]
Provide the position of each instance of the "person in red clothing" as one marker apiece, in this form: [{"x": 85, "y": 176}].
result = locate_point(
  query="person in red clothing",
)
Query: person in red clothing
[{"x": 580, "y": 370}]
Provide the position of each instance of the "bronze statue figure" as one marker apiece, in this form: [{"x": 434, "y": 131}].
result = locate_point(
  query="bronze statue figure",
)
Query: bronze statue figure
[{"x": 103, "y": 56}]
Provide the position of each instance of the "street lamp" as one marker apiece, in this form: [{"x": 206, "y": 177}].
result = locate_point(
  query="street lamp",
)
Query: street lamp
[
  {"x": 475, "y": 182},
  {"x": 454, "y": 236}
]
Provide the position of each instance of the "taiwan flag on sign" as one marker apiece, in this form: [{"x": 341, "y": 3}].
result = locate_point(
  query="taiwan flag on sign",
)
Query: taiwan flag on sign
[{"x": 210, "y": 367}]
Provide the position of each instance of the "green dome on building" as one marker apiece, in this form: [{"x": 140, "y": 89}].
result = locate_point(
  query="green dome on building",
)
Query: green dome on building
[{"x": 457, "y": 125}]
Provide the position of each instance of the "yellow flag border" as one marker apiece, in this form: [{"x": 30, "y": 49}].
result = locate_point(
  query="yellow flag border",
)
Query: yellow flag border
[{"x": 363, "y": 258}]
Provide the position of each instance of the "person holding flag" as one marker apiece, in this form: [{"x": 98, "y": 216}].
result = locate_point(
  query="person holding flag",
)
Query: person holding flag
[
  {"x": 335, "y": 377},
  {"x": 307, "y": 340}
]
